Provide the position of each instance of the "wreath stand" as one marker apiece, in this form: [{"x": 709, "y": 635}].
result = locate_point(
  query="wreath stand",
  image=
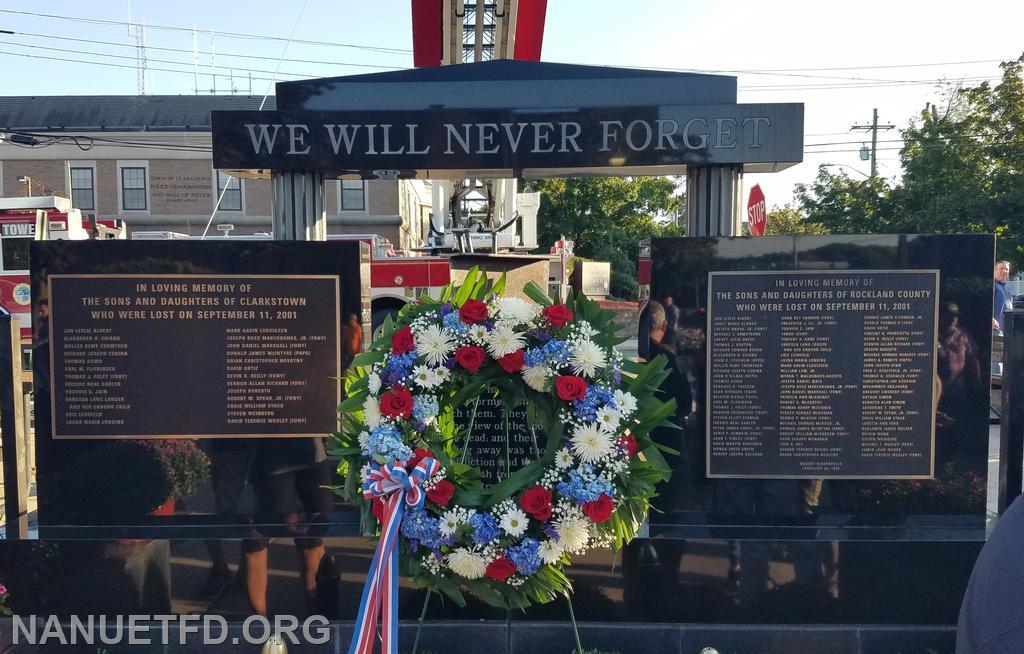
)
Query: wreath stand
[{"x": 508, "y": 612}]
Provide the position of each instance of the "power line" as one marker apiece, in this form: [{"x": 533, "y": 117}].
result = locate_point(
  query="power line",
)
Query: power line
[
  {"x": 201, "y": 52},
  {"x": 237, "y": 35}
]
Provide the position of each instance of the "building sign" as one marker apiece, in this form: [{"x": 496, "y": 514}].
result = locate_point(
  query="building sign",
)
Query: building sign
[
  {"x": 199, "y": 356},
  {"x": 417, "y": 142},
  {"x": 173, "y": 191},
  {"x": 27, "y": 229},
  {"x": 822, "y": 374}
]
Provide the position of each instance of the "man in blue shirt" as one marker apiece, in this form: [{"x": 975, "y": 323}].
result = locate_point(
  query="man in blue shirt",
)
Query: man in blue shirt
[{"x": 1002, "y": 300}]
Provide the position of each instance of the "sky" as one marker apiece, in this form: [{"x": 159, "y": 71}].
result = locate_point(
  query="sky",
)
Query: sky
[{"x": 840, "y": 59}]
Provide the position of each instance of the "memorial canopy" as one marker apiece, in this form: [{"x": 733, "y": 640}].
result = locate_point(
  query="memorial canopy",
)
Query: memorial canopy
[{"x": 504, "y": 118}]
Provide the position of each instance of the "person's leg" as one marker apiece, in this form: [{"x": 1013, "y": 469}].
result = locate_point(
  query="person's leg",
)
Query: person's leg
[{"x": 255, "y": 551}]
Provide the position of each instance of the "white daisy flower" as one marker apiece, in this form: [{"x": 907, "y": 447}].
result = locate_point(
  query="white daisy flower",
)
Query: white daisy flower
[
  {"x": 550, "y": 551},
  {"x": 563, "y": 458},
  {"x": 573, "y": 534},
  {"x": 477, "y": 334},
  {"x": 625, "y": 401},
  {"x": 608, "y": 418},
  {"x": 504, "y": 340},
  {"x": 586, "y": 357},
  {"x": 466, "y": 563},
  {"x": 536, "y": 376},
  {"x": 424, "y": 376},
  {"x": 516, "y": 310},
  {"x": 591, "y": 443},
  {"x": 440, "y": 375},
  {"x": 450, "y": 521},
  {"x": 435, "y": 344},
  {"x": 364, "y": 440},
  {"x": 374, "y": 383},
  {"x": 514, "y": 522},
  {"x": 371, "y": 412}
]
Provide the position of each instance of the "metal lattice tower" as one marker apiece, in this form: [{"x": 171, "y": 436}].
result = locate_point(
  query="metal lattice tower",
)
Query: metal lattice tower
[{"x": 139, "y": 33}]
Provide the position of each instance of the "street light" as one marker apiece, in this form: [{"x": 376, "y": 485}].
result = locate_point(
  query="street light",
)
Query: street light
[
  {"x": 25, "y": 179},
  {"x": 859, "y": 172}
]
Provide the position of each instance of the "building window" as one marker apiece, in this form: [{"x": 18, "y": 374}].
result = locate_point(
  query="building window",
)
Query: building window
[
  {"x": 15, "y": 253},
  {"x": 83, "y": 189},
  {"x": 353, "y": 195},
  {"x": 231, "y": 187},
  {"x": 133, "y": 189}
]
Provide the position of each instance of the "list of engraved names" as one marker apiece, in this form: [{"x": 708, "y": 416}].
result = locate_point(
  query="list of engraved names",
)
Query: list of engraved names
[
  {"x": 822, "y": 375},
  {"x": 193, "y": 355}
]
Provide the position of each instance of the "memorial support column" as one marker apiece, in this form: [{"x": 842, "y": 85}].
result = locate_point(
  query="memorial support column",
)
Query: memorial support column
[
  {"x": 297, "y": 199},
  {"x": 714, "y": 200}
]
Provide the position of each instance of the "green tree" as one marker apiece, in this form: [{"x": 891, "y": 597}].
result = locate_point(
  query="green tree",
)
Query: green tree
[
  {"x": 788, "y": 220},
  {"x": 842, "y": 205},
  {"x": 606, "y": 217}
]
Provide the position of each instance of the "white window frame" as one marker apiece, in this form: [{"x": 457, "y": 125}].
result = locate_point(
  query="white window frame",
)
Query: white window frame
[
  {"x": 95, "y": 178},
  {"x": 216, "y": 193},
  {"x": 121, "y": 164},
  {"x": 366, "y": 197}
]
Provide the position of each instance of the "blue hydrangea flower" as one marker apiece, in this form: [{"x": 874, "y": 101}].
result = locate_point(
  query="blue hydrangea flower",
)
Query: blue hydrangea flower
[
  {"x": 455, "y": 324},
  {"x": 446, "y": 309},
  {"x": 424, "y": 408},
  {"x": 398, "y": 368},
  {"x": 419, "y": 525},
  {"x": 525, "y": 556},
  {"x": 485, "y": 528},
  {"x": 584, "y": 485},
  {"x": 386, "y": 442},
  {"x": 534, "y": 357},
  {"x": 557, "y": 352}
]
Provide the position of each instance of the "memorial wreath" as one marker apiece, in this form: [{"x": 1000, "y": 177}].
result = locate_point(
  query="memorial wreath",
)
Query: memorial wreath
[{"x": 407, "y": 426}]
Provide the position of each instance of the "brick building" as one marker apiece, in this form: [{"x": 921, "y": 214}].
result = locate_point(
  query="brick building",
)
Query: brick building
[{"x": 147, "y": 159}]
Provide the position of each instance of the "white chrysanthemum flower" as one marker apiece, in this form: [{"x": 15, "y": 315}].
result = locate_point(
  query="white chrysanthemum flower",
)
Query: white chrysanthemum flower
[
  {"x": 608, "y": 418},
  {"x": 563, "y": 458},
  {"x": 374, "y": 383},
  {"x": 435, "y": 344},
  {"x": 536, "y": 376},
  {"x": 467, "y": 564},
  {"x": 364, "y": 440},
  {"x": 477, "y": 334},
  {"x": 586, "y": 357},
  {"x": 503, "y": 340},
  {"x": 550, "y": 551},
  {"x": 514, "y": 522},
  {"x": 423, "y": 376},
  {"x": 591, "y": 443},
  {"x": 516, "y": 310},
  {"x": 573, "y": 534},
  {"x": 371, "y": 412},
  {"x": 450, "y": 521},
  {"x": 625, "y": 401}
]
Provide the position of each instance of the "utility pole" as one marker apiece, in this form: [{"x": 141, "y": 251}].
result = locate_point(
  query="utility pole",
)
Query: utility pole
[{"x": 873, "y": 128}]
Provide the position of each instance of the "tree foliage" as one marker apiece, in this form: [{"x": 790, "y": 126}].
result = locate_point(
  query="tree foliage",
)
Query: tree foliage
[
  {"x": 606, "y": 217},
  {"x": 788, "y": 220},
  {"x": 963, "y": 172}
]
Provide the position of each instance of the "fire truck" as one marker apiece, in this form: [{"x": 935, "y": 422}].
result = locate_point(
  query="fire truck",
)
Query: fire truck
[{"x": 24, "y": 219}]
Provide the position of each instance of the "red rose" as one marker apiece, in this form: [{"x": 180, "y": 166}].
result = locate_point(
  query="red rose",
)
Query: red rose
[
  {"x": 600, "y": 509},
  {"x": 470, "y": 357},
  {"x": 473, "y": 311},
  {"x": 377, "y": 506},
  {"x": 441, "y": 493},
  {"x": 396, "y": 403},
  {"x": 418, "y": 455},
  {"x": 500, "y": 569},
  {"x": 512, "y": 362},
  {"x": 629, "y": 445},
  {"x": 557, "y": 315},
  {"x": 537, "y": 502},
  {"x": 402, "y": 341},
  {"x": 570, "y": 387}
]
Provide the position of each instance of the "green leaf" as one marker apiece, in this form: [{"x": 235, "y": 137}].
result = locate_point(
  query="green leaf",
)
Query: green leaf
[
  {"x": 368, "y": 358},
  {"x": 466, "y": 290},
  {"x": 537, "y": 294}
]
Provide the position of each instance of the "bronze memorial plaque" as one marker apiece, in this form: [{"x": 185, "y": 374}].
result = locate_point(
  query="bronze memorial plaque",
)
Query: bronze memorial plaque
[
  {"x": 197, "y": 356},
  {"x": 822, "y": 375}
]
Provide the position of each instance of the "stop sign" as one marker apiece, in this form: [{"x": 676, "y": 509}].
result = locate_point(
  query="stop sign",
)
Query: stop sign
[{"x": 757, "y": 214}]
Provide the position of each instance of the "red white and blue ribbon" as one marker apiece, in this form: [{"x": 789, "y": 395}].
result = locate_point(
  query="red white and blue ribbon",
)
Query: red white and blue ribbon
[{"x": 398, "y": 488}]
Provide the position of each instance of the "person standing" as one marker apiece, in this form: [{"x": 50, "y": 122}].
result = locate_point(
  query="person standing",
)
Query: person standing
[
  {"x": 1002, "y": 299},
  {"x": 351, "y": 340}
]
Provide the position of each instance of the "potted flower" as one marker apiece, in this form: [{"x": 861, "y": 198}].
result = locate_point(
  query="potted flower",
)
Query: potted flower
[{"x": 187, "y": 468}]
